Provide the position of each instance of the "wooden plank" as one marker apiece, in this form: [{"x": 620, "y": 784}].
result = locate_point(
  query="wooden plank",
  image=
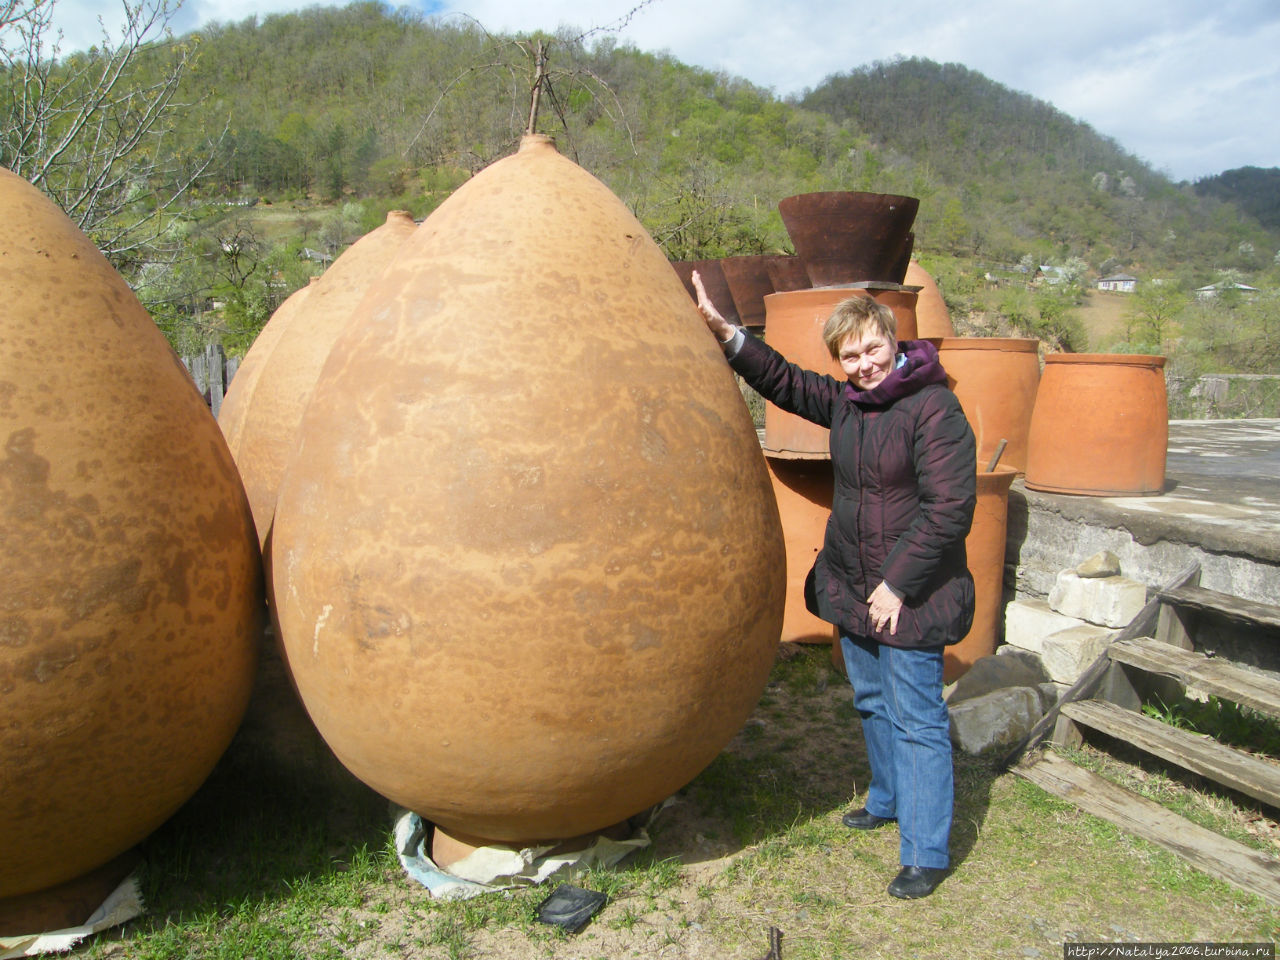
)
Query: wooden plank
[
  {"x": 1249, "y": 612},
  {"x": 1088, "y": 682},
  {"x": 1175, "y": 626},
  {"x": 1222, "y": 678},
  {"x": 1203, "y": 755},
  {"x": 1249, "y": 869}
]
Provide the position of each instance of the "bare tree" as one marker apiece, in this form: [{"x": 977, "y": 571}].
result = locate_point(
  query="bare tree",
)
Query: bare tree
[{"x": 90, "y": 129}]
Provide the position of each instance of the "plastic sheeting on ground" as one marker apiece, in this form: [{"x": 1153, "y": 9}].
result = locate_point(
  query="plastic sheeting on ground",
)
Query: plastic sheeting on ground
[{"x": 124, "y": 903}]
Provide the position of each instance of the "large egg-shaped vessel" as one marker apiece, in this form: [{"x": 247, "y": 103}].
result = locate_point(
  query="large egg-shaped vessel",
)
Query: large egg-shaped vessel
[
  {"x": 131, "y": 581},
  {"x": 527, "y": 565},
  {"x": 289, "y": 371}
]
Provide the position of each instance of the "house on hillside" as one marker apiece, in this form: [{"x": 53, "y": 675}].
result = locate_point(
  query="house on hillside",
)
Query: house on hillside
[
  {"x": 1118, "y": 283},
  {"x": 1209, "y": 291}
]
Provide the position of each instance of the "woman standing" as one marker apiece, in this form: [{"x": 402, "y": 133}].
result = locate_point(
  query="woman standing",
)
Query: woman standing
[{"x": 892, "y": 574}]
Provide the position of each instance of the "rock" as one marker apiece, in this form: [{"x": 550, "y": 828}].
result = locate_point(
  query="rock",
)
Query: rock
[
  {"x": 1018, "y": 668},
  {"x": 1068, "y": 653},
  {"x": 1051, "y": 692},
  {"x": 1000, "y": 718},
  {"x": 1104, "y": 563},
  {"x": 1106, "y": 601},
  {"x": 1028, "y": 622}
]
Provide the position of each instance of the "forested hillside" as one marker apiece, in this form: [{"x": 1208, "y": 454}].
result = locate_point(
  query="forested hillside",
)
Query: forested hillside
[{"x": 324, "y": 119}]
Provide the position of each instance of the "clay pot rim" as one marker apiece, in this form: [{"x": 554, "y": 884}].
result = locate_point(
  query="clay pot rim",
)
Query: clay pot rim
[
  {"x": 1118, "y": 359},
  {"x": 1016, "y": 344},
  {"x": 890, "y": 198},
  {"x": 1001, "y": 478}
]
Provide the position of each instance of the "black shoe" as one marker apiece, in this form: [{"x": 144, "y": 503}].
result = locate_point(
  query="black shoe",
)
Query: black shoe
[
  {"x": 912, "y": 883},
  {"x": 860, "y": 819}
]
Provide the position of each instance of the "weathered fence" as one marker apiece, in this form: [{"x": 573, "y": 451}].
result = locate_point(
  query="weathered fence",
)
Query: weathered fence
[{"x": 212, "y": 371}]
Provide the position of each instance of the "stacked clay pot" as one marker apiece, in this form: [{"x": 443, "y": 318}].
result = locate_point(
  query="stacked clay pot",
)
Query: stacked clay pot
[
  {"x": 527, "y": 570},
  {"x": 132, "y": 584},
  {"x": 1100, "y": 426},
  {"x": 288, "y": 373},
  {"x": 933, "y": 319}
]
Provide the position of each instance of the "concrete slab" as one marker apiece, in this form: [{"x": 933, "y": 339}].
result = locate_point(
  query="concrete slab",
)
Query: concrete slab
[{"x": 1221, "y": 507}]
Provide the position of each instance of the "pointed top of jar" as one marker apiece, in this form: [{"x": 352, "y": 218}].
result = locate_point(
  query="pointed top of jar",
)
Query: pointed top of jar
[{"x": 533, "y": 141}]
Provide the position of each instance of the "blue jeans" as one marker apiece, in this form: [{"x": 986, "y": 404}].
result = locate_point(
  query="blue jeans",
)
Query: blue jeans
[{"x": 898, "y": 694}]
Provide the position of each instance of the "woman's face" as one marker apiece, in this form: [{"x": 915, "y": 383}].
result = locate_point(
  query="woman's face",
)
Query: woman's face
[{"x": 867, "y": 358}]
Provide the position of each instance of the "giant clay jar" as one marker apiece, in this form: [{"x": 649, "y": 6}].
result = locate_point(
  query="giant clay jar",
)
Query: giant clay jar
[
  {"x": 985, "y": 548},
  {"x": 793, "y": 326},
  {"x": 527, "y": 565},
  {"x": 803, "y": 489},
  {"x": 786, "y": 273},
  {"x": 236, "y": 404},
  {"x": 933, "y": 319},
  {"x": 287, "y": 377},
  {"x": 1100, "y": 426},
  {"x": 995, "y": 380},
  {"x": 132, "y": 584},
  {"x": 846, "y": 236}
]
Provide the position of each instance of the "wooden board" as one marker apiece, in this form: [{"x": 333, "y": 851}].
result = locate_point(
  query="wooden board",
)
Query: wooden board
[
  {"x": 1203, "y": 755},
  {"x": 1251, "y": 870},
  {"x": 1222, "y": 678},
  {"x": 1248, "y": 612}
]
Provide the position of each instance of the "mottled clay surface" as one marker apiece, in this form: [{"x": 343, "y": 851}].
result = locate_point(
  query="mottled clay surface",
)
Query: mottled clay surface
[
  {"x": 236, "y": 404},
  {"x": 933, "y": 319},
  {"x": 289, "y": 372},
  {"x": 132, "y": 585},
  {"x": 528, "y": 570},
  {"x": 995, "y": 379}
]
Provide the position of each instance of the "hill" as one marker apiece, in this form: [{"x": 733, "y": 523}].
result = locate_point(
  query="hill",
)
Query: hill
[{"x": 1254, "y": 190}]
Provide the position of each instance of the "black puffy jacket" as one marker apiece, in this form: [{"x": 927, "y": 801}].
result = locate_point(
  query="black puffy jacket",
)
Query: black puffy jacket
[{"x": 904, "y": 462}]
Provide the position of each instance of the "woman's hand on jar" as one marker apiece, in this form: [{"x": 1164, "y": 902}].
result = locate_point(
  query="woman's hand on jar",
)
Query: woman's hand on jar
[
  {"x": 718, "y": 325},
  {"x": 884, "y": 606}
]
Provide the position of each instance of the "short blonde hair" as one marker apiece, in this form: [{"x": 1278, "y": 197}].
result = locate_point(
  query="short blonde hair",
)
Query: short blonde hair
[{"x": 858, "y": 315}]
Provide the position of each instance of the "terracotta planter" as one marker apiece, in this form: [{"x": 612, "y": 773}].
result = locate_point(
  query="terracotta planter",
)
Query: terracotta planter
[
  {"x": 933, "y": 319},
  {"x": 749, "y": 283},
  {"x": 995, "y": 380},
  {"x": 793, "y": 327},
  {"x": 786, "y": 273},
  {"x": 845, "y": 236},
  {"x": 288, "y": 374},
  {"x": 985, "y": 547},
  {"x": 132, "y": 582},
  {"x": 713, "y": 280},
  {"x": 521, "y": 553},
  {"x": 1100, "y": 426},
  {"x": 803, "y": 491}
]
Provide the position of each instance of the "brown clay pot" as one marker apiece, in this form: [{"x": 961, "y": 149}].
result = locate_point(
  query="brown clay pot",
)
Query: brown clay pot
[
  {"x": 985, "y": 546},
  {"x": 846, "y": 236},
  {"x": 749, "y": 283},
  {"x": 1100, "y": 426},
  {"x": 803, "y": 490},
  {"x": 786, "y": 273},
  {"x": 898, "y": 272},
  {"x": 239, "y": 398},
  {"x": 933, "y": 319},
  {"x": 713, "y": 281},
  {"x": 132, "y": 582},
  {"x": 793, "y": 327},
  {"x": 289, "y": 373},
  {"x": 995, "y": 380},
  {"x": 517, "y": 548}
]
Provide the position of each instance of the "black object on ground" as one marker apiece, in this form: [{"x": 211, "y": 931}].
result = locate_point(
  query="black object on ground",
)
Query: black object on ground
[{"x": 570, "y": 907}]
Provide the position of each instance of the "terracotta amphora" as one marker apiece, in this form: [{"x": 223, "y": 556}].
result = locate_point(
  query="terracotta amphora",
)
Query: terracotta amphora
[
  {"x": 793, "y": 327},
  {"x": 289, "y": 373},
  {"x": 995, "y": 379},
  {"x": 803, "y": 489},
  {"x": 1100, "y": 426},
  {"x": 527, "y": 566},
  {"x": 132, "y": 581},
  {"x": 239, "y": 398},
  {"x": 847, "y": 236},
  {"x": 985, "y": 547},
  {"x": 933, "y": 319}
]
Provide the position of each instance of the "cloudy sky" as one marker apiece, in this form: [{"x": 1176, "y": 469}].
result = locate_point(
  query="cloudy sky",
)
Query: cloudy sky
[{"x": 1190, "y": 86}]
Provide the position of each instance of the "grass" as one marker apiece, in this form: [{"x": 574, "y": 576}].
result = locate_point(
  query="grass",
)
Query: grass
[{"x": 275, "y": 864}]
